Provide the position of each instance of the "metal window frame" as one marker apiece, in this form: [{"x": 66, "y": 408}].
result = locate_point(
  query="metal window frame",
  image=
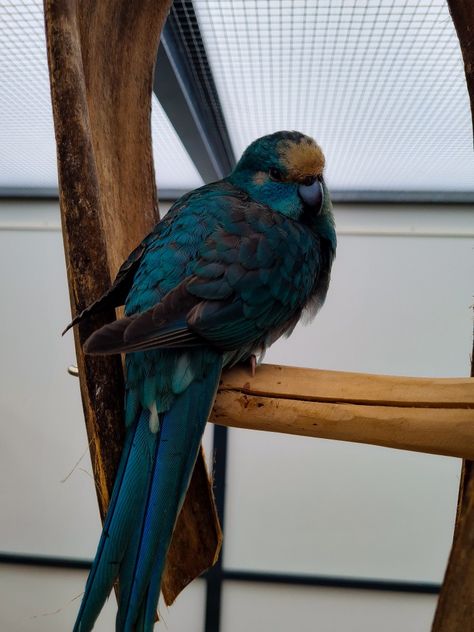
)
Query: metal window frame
[
  {"x": 185, "y": 87},
  {"x": 338, "y": 196}
]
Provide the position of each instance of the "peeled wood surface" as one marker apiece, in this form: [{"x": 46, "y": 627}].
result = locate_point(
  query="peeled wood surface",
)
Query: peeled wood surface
[
  {"x": 455, "y": 611},
  {"x": 101, "y": 58},
  {"x": 421, "y": 414},
  {"x": 356, "y": 388}
]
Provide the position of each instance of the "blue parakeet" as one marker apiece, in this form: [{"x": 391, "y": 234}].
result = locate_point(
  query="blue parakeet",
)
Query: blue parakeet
[{"x": 230, "y": 268}]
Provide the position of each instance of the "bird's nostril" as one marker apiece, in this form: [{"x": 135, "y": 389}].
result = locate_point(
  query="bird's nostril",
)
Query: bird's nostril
[{"x": 308, "y": 180}]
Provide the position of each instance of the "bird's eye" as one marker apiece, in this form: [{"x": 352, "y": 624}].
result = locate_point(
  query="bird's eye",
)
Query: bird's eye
[
  {"x": 309, "y": 180},
  {"x": 275, "y": 174}
]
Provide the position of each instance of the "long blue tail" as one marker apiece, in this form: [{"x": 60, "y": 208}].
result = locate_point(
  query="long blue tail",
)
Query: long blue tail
[{"x": 150, "y": 487}]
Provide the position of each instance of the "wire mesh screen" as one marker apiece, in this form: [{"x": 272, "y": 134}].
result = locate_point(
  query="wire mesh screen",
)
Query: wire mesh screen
[
  {"x": 27, "y": 147},
  {"x": 27, "y": 150},
  {"x": 186, "y": 34},
  {"x": 379, "y": 83}
]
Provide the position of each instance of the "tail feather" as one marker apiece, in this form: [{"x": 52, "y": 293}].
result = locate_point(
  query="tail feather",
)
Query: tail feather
[
  {"x": 180, "y": 436},
  {"x": 151, "y": 483},
  {"x": 132, "y": 476},
  {"x": 128, "y": 563}
]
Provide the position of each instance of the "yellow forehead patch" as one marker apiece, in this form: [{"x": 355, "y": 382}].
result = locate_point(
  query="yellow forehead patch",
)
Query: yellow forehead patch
[{"x": 304, "y": 158}]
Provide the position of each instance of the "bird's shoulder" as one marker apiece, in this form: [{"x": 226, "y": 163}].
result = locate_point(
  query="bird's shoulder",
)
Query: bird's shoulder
[{"x": 171, "y": 250}]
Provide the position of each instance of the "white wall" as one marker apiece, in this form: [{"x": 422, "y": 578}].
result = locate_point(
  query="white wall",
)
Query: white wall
[{"x": 399, "y": 303}]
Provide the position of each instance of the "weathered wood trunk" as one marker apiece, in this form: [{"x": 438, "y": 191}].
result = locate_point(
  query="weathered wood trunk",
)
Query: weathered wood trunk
[
  {"x": 101, "y": 59},
  {"x": 455, "y": 611}
]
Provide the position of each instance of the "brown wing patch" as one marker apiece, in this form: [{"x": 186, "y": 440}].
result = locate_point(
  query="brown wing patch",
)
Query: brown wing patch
[{"x": 303, "y": 158}]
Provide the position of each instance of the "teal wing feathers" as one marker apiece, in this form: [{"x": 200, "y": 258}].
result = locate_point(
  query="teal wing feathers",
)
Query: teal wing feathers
[{"x": 241, "y": 277}]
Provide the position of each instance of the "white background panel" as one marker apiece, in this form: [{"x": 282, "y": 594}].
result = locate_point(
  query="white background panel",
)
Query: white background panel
[
  {"x": 47, "y": 600},
  {"x": 396, "y": 305},
  {"x": 49, "y": 505},
  {"x": 322, "y": 507},
  {"x": 259, "y": 608}
]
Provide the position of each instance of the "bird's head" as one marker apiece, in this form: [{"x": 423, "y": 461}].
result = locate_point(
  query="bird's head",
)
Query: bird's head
[{"x": 285, "y": 171}]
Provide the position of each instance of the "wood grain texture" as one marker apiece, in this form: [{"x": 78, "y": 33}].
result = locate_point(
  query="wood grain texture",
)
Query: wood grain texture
[
  {"x": 101, "y": 58},
  {"x": 356, "y": 388},
  {"x": 424, "y": 415},
  {"x": 455, "y": 611}
]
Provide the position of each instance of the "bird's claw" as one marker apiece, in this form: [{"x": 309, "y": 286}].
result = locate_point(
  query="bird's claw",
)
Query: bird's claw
[{"x": 253, "y": 364}]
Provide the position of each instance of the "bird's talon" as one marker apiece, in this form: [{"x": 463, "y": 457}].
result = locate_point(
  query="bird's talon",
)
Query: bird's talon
[{"x": 253, "y": 364}]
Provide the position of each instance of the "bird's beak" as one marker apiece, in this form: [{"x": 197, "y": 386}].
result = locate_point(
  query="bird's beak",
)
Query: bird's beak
[{"x": 312, "y": 195}]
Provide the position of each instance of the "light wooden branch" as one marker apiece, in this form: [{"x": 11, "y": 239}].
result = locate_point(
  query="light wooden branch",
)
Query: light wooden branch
[{"x": 421, "y": 414}]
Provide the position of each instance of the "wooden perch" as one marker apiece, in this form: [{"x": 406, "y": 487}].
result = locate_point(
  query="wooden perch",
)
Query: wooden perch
[
  {"x": 421, "y": 414},
  {"x": 101, "y": 58}
]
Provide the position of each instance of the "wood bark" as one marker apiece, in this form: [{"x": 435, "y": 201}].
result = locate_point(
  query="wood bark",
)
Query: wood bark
[
  {"x": 101, "y": 59},
  {"x": 455, "y": 611},
  {"x": 420, "y": 414}
]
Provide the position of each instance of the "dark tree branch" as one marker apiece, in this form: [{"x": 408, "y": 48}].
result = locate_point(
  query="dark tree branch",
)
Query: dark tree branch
[{"x": 101, "y": 59}]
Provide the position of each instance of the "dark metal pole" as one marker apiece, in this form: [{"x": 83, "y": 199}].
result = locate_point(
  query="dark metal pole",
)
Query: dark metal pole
[{"x": 186, "y": 89}]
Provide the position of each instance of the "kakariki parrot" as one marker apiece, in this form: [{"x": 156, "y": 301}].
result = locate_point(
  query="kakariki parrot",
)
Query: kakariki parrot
[{"x": 230, "y": 268}]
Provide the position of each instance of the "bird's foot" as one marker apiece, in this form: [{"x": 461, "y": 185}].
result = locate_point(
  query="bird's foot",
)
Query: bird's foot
[{"x": 253, "y": 364}]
